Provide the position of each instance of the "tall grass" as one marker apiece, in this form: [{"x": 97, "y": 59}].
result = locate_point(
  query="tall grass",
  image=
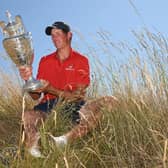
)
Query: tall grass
[{"x": 133, "y": 134}]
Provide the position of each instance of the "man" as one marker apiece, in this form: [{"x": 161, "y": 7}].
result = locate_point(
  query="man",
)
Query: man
[{"x": 65, "y": 76}]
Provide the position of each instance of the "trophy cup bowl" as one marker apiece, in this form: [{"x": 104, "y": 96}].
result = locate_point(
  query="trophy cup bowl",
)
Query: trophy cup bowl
[{"x": 18, "y": 45}]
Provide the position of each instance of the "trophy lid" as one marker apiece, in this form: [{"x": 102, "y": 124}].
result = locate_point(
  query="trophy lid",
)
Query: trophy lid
[{"x": 13, "y": 27}]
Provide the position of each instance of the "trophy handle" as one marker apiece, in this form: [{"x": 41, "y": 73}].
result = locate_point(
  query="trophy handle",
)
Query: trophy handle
[
  {"x": 2, "y": 24},
  {"x": 19, "y": 22},
  {"x": 18, "y": 19}
]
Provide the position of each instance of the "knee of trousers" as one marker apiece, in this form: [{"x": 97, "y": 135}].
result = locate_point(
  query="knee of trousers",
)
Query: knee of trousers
[{"x": 33, "y": 116}]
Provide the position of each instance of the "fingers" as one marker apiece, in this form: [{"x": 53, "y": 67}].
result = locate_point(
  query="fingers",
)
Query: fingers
[{"x": 25, "y": 72}]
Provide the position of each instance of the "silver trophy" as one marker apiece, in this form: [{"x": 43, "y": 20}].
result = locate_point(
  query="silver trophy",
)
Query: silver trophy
[{"x": 18, "y": 45}]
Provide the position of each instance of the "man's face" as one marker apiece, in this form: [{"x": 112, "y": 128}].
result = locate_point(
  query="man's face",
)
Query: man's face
[{"x": 59, "y": 38}]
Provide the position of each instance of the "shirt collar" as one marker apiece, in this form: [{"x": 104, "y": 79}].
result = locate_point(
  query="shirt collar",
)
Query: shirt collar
[{"x": 70, "y": 55}]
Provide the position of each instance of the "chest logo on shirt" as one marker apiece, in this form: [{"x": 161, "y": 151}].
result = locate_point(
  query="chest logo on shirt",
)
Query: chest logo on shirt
[{"x": 70, "y": 68}]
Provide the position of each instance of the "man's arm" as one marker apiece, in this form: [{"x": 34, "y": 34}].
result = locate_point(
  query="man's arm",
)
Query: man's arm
[{"x": 78, "y": 94}]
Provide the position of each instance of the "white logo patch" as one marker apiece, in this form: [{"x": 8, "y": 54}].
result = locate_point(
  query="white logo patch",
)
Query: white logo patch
[{"x": 70, "y": 68}]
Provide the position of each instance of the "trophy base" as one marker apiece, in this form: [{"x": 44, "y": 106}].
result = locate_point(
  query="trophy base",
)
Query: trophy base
[{"x": 32, "y": 85}]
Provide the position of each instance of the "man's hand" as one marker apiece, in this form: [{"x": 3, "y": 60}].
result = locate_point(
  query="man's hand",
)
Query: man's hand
[
  {"x": 25, "y": 72},
  {"x": 78, "y": 94}
]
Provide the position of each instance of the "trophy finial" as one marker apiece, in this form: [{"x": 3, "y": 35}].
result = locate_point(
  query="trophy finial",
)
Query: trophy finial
[{"x": 9, "y": 16}]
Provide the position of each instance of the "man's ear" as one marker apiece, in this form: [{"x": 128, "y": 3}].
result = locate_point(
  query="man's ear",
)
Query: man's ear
[{"x": 70, "y": 35}]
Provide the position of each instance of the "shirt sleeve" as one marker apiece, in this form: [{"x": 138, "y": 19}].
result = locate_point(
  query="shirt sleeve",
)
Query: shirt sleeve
[{"x": 83, "y": 73}]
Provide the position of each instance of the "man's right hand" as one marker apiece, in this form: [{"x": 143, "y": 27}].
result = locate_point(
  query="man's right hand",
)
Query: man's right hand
[{"x": 25, "y": 72}]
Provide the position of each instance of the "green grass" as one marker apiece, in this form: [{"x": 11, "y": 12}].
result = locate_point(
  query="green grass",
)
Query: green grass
[{"x": 132, "y": 135}]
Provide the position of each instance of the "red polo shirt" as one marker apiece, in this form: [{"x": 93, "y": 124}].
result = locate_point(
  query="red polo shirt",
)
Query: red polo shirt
[{"x": 66, "y": 75}]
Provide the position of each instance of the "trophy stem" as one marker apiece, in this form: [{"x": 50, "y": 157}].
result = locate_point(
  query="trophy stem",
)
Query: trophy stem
[{"x": 32, "y": 84}]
